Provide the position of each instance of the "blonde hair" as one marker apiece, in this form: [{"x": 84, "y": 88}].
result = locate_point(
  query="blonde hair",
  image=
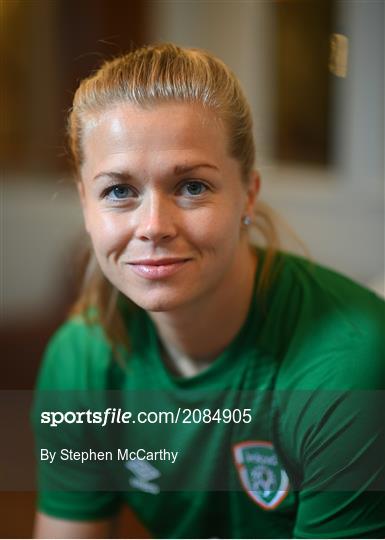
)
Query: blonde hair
[{"x": 146, "y": 77}]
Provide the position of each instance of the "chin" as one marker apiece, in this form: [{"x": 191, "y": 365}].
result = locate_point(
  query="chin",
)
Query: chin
[{"x": 158, "y": 302}]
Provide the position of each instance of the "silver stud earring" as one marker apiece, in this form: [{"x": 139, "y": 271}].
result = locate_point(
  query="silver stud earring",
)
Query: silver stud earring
[{"x": 246, "y": 220}]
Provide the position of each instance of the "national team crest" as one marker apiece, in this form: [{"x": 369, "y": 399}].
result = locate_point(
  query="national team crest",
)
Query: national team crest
[{"x": 260, "y": 472}]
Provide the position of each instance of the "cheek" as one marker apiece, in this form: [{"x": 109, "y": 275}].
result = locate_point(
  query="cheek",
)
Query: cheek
[
  {"x": 217, "y": 231},
  {"x": 108, "y": 232}
]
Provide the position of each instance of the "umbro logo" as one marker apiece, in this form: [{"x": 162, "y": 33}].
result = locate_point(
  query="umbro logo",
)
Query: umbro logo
[{"x": 143, "y": 475}]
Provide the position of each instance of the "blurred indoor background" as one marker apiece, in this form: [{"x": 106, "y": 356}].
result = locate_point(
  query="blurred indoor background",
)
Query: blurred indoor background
[{"x": 319, "y": 127}]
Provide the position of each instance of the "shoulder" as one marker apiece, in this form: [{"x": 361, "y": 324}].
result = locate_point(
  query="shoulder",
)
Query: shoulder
[
  {"x": 332, "y": 328},
  {"x": 77, "y": 357},
  {"x": 334, "y": 299},
  {"x": 331, "y": 288}
]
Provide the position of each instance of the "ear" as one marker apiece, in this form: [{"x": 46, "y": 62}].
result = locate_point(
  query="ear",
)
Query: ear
[
  {"x": 253, "y": 188},
  {"x": 83, "y": 202}
]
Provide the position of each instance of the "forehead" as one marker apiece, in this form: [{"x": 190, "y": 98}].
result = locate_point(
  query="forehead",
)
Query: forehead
[{"x": 166, "y": 127}]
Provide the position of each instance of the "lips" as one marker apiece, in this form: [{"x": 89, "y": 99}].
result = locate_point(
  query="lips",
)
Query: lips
[{"x": 157, "y": 268}]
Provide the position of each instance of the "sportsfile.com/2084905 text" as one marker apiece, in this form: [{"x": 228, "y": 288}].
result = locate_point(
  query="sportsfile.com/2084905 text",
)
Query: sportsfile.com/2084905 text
[{"x": 113, "y": 415}]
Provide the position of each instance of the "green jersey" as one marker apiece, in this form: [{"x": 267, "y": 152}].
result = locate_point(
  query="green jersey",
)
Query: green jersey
[{"x": 282, "y": 435}]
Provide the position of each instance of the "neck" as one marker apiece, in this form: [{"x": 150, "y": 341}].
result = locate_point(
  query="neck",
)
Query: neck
[{"x": 199, "y": 333}]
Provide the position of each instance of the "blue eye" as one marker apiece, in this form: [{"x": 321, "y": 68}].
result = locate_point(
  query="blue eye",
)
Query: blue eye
[
  {"x": 194, "y": 188},
  {"x": 119, "y": 192}
]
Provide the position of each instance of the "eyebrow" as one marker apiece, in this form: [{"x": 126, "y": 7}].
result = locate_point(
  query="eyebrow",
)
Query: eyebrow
[
  {"x": 115, "y": 175},
  {"x": 178, "y": 170},
  {"x": 182, "y": 169}
]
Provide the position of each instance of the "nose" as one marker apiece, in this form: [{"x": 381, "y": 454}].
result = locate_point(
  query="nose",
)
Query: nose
[{"x": 156, "y": 218}]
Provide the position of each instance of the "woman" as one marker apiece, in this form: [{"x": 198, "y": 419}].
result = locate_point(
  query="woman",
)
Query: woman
[{"x": 282, "y": 354}]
